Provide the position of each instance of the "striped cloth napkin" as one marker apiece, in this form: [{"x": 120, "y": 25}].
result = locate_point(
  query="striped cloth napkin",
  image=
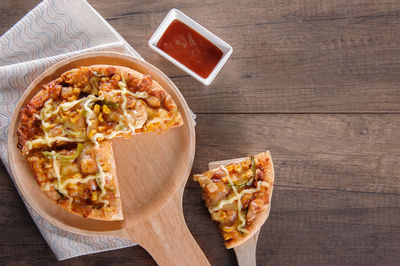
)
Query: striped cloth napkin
[{"x": 54, "y": 30}]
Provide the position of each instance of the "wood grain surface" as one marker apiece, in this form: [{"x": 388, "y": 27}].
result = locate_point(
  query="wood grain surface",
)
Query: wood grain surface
[{"x": 315, "y": 82}]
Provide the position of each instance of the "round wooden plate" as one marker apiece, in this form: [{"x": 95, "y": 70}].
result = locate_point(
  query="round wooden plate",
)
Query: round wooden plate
[{"x": 152, "y": 171}]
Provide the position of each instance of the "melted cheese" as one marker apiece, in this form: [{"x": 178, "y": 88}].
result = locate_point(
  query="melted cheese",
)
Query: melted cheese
[
  {"x": 61, "y": 185},
  {"x": 124, "y": 91},
  {"x": 68, "y": 105},
  {"x": 76, "y": 180},
  {"x": 237, "y": 197},
  {"x": 112, "y": 135},
  {"x": 60, "y": 188},
  {"x": 46, "y": 113},
  {"x": 90, "y": 115},
  {"x": 138, "y": 94},
  {"x": 101, "y": 182},
  {"x": 49, "y": 141},
  {"x": 48, "y": 116},
  {"x": 162, "y": 116}
]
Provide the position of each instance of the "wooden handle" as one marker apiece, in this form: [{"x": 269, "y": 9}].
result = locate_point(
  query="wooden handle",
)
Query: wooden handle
[
  {"x": 166, "y": 237},
  {"x": 246, "y": 253}
]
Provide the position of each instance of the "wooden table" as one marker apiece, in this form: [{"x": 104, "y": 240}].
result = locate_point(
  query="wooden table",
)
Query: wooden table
[{"x": 315, "y": 82}]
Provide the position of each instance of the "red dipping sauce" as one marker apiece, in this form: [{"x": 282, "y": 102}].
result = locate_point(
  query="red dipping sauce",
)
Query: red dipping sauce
[{"x": 190, "y": 48}]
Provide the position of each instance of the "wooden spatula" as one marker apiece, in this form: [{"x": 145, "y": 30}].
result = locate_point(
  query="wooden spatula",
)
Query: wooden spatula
[{"x": 245, "y": 253}]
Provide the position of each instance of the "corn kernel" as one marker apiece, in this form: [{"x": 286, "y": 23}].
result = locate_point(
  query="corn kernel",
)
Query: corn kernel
[
  {"x": 227, "y": 237},
  {"x": 106, "y": 110},
  {"x": 77, "y": 90},
  {"x": 94, "y": 196},
  {"x": 228, "y": 229},
  {"x": 245, "y": 165},
  {"x": 247, "y": 174},
  {"x": 101, "y": 128},
  {"x": 77, "y": 175},
  {"x": 75, "y": 119},
  {"x": 64, "y": 117},
  {"x": 96, "y": 108},
  {"x": 101, "y": 117},
  {"x": 71, "y": 186},
  {"x": 92, "y": 132},
  {"x": 100, "y": 93},
  {"x": 116, "y": 77},
  {"x": 72, "y": 98},
  {"x": 230, "y": 167}
]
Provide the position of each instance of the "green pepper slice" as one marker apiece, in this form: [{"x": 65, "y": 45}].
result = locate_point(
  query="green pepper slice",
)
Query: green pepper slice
[
  {"x": 112, "y": 105},
  {"x": 65, "y": 158},
  {"x": 253, "y": 169},
  {"x": 73, "y": 133}
]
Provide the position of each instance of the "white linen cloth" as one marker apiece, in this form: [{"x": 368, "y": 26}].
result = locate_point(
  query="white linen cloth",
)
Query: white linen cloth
[{"x": 52, "y": 31}]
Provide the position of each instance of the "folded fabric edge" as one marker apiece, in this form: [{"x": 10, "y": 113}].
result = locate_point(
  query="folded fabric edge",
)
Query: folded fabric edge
[
  {"x": 66, "y": 55},
  {"x": 69, "y": 256}
]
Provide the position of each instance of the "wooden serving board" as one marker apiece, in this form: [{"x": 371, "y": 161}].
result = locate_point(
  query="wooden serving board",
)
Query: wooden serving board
[{"x": 152, "y": 172}]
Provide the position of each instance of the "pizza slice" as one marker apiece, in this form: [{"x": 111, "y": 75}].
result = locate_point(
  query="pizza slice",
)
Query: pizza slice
[
  {"x": 238, "y": 196},
  {"x": 67, "y": 126},
  {"x": 80, "y": 179}
]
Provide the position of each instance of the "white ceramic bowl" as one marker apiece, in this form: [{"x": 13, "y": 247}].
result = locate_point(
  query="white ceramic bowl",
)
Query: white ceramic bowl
[{"x": 223, "y": 46}]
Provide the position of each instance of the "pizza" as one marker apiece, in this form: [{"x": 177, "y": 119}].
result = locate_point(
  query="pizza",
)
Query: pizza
[
  {"x": 238, "y": 196},
  {"x": 66, "y": 130}
]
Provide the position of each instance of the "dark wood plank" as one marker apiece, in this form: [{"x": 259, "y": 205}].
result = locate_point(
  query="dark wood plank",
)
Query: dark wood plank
[
  {"x": 289, "y": 56},
  {"x": 11, "y": 11},
  {"x": 343, "y": 152},
  {"x": 337, "y": 195},
  {"x": 334, "y": 202},
  {"x": 312, "y": 227}
]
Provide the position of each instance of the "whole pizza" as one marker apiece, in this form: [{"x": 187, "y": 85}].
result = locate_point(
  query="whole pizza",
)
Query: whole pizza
[{"x": 67, "y": 126}]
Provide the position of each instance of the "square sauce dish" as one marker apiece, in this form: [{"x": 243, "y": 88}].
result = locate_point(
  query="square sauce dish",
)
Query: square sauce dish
[{"x": 190, "y": 46}]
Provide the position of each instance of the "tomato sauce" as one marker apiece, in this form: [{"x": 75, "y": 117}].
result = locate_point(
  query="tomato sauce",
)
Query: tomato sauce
[{"x": 190, "y": 48}]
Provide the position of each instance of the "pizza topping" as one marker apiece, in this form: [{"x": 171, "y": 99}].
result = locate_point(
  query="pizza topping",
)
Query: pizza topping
[
  {"x": 253, "y": 170},
  {"x": 101, "y": 181},
  {"x": 235, "y": 194},
  {"x": 49, "y": 141},
  {"x": 60, "y": 188},
  {"x": 64, "y": 125},
  {"x": 67, "y": 158},
  {"x": 140, "y": 94},
  {"x": 88, "y": 165},
  {"x": 237, "y": 197}
]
